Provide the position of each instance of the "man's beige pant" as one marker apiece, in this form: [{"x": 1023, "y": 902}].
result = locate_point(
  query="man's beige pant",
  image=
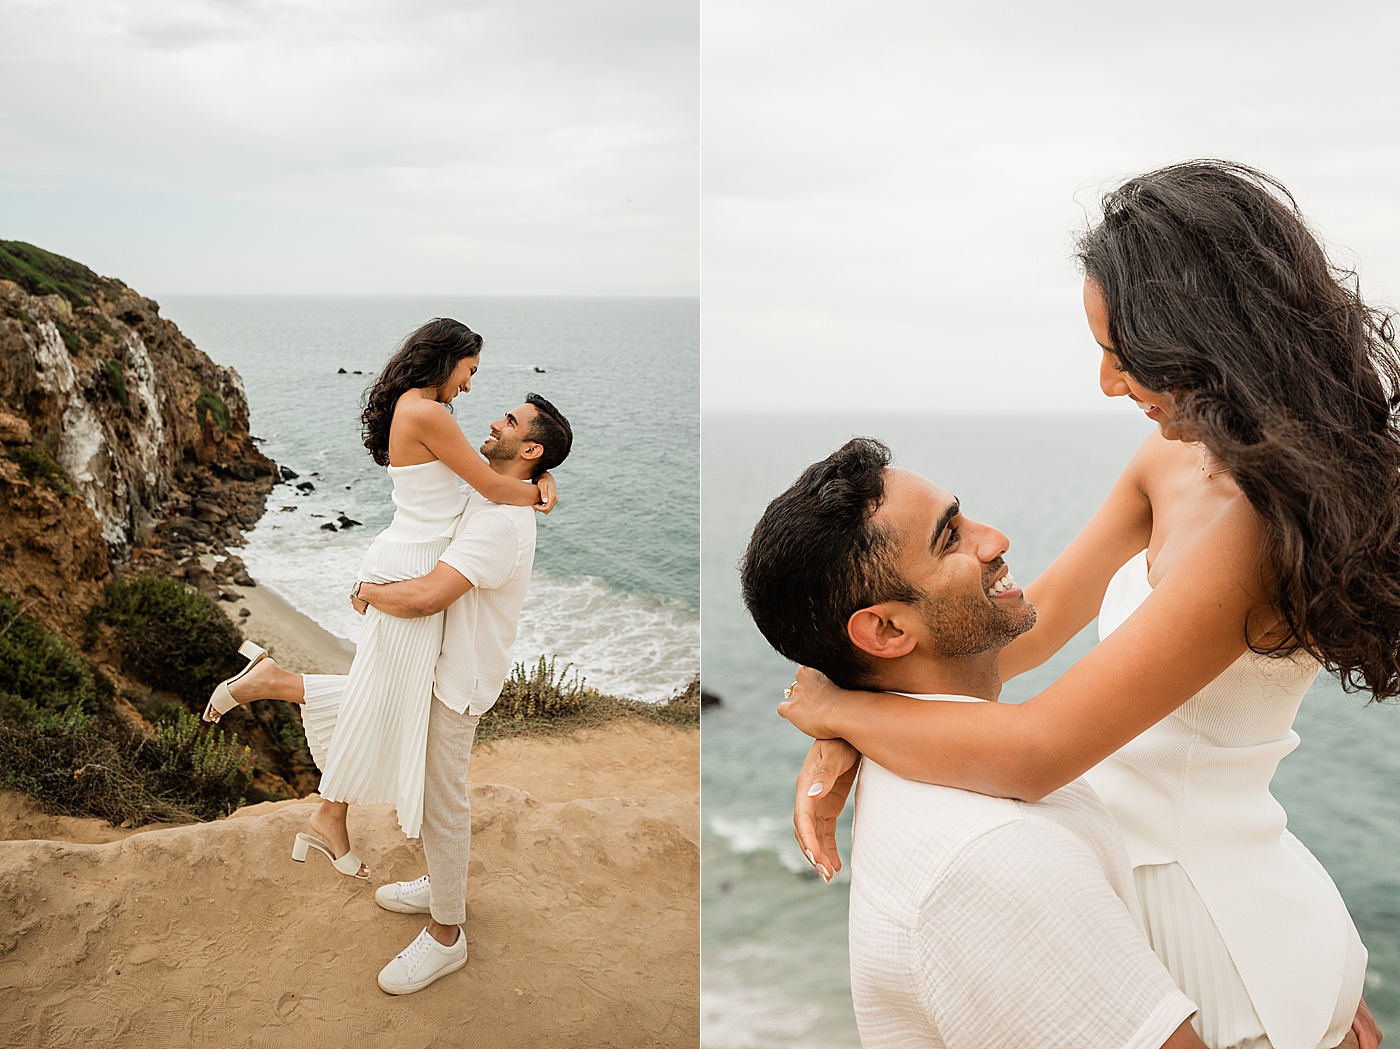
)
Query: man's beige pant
[{"x": 447, "y": 809}]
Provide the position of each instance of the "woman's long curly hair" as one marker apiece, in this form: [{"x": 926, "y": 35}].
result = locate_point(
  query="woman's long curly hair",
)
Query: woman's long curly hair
[
  {"x": 426, "y": 358},
  {"x": 1218, "y": 293}
]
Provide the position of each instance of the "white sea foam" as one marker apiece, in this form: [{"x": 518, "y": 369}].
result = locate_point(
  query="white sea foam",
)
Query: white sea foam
[
  {"x": 745, "y": 835},
  {"x": 636, "y": 645},
  {"x": 744, "y": 1018}
]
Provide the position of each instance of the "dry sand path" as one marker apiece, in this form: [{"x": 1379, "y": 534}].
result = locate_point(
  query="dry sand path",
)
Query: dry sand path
[{"x": 582, "y": 927}]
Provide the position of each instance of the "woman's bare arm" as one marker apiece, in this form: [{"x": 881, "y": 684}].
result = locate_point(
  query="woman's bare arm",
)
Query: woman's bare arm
[
  {"x": 1182, "y": 637},
  {"x": 425, "y": 422}
]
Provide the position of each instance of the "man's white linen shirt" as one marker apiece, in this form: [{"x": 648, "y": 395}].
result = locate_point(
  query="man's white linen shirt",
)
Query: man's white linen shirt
[
  {"x": 494, "y": 548},
  {"x": 989, "y": 923}
]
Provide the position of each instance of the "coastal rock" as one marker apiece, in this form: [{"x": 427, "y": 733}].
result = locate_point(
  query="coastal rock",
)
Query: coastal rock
[
  {"x": 53, "y": 560},
  {"x": 347, "y": 522},
  {"x": 14, "y": 430},
  {"x": 127, "y": 409},
  {"x": 287, "y": 473}
]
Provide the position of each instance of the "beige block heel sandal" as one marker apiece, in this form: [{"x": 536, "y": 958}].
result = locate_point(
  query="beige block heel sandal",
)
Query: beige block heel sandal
[{"x": 221, "y": 700}]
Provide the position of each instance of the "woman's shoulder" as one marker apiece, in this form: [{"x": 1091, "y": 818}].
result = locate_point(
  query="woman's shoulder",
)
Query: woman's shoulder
[
  {"x": 1157, "y": 454},
  {"x": 414, "y": 407}
]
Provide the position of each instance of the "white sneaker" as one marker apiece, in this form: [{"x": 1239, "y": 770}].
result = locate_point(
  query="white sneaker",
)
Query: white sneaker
[
  {"x": 406, "y": 897},
  {"x": 422, "y": 962}
]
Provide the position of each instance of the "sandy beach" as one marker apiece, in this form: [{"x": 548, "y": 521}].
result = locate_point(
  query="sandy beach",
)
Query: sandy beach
[
  {"x": 582, "y": 925},
  {"x": 296, "y": 641}
]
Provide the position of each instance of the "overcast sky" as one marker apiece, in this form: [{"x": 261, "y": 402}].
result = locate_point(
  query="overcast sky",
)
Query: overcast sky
[
  {"x": 891, "y": 189},
  {"x": 394, "y": 146}
]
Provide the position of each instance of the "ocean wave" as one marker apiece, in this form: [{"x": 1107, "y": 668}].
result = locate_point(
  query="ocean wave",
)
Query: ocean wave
[
  {"x": 641, "y": 646},
  {"x": 745, "y": 1019},
  {"x": 747, "y": 835}
]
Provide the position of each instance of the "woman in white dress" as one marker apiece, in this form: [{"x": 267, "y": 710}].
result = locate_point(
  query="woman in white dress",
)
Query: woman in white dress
[
  {"x": 1252, "y": 539},
  {"x": 371, "y": 748}
]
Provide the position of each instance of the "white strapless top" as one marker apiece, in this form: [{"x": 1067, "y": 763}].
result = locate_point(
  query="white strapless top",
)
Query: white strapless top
[
  {"x": 428, "y": 500},
  {"x": 1194, "y": 790}
]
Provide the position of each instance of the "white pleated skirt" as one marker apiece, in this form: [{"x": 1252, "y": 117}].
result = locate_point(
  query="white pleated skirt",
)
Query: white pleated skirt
[
  {"x": 1185, "y": 938},
  {"x": 375, "y": 743}
]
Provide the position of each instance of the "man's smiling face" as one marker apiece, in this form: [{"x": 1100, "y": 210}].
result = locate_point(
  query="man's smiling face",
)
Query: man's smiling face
[
  {"x": 969, "y": 601},
  {"x": 509, "y": 432}
]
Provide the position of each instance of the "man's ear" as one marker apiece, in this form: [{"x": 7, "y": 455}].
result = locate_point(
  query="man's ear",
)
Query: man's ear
[
  {"x": 530, "y": 450},
  {"x": 878, "y": 630}
]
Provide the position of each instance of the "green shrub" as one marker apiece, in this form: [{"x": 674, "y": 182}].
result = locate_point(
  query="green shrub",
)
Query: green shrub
[
  {"x": 35, "y": 463},
  {"x": 208, "y": 404},
  {"x": 153, "y": 706},
  {"x": 68, "y": 764},
  {"x": 42, "y": 272},
  {"x": 204, "y": 767},
  {"x": 71, "y": 338},
  {"x": 62, "y": 744},
  {"x": 170, "y": 636},
  {"x": 74, "y": 764},
  {"x": 543, "y": 693},
  {"x": 40, "y": 673},
  {"x": 682, "y": 709},
  {"x": 287, "y": 730},
  {"x": 116, "y": 379}
]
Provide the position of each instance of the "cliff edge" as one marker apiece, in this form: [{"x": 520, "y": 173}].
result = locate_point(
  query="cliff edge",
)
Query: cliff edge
[{"x": 121, "y": 439}]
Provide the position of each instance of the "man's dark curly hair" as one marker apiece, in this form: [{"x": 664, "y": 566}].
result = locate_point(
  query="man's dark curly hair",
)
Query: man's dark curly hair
[
  {"x": 816, "y": 557},
  {"x": 551, "y": 431}
]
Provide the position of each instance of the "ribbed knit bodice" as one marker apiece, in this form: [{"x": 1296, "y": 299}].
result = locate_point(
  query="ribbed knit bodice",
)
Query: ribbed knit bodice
[
  {"x": 428, "y": 499},
  {"x": 1194, "y": 790}
]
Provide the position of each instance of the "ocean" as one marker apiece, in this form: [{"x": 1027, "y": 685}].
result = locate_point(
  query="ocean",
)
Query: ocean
[
  {"x": 774, "y": 970},
  {"x": 615, "y": 589}
]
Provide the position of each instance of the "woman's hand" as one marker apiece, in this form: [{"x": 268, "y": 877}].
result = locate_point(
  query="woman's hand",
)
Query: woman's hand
[
  {"x": 549, "y": 493},
  {"x": 1368, "y": 1035},
  {"x": 809, "y": 701},
  {"x": 822, "y": 788}
]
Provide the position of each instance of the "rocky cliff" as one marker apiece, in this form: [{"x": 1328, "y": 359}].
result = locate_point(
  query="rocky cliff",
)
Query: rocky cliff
[{"x": 121, "y": 439}]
